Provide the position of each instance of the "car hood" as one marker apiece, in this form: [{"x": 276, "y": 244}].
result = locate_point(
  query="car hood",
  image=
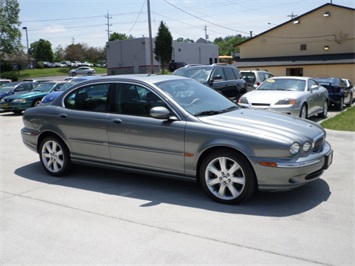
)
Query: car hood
[
  {"x": 51, "y": 96},
  {"x": 27, "y": 95},
  {"x": 266, "y": 124},
  {"x": 271, "y": 97}
]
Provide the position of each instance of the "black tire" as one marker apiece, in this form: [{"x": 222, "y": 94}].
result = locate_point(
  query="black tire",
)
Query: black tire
[
  {"x": 73, "y": 74},
  {"x": 54, "y": 156},
  {"x": 341, "y": 105},
  {"x": 89, "y": 73},
  {"x": 235, "y": 184},
  {"x": 350, "y": 101},
  {"x": 304, "y": 111},
  {"x": 324, "y": 113},
  {"x": 36, "y": 102},
  {"x": 17, "y": 112}
]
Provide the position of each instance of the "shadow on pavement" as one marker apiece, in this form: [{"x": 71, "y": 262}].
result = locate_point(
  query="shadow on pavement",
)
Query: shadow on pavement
[{"x": 158, "y": 190}]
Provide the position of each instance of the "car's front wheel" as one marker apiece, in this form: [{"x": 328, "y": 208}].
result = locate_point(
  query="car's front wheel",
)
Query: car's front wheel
[
  {"x": 54, "y": 156},
  {"x": 304, "y": 111},
  {"x": 36, "y": 102},
  {"x": 341, "y": 104},
  {"x": 227, "y": 177},
  {"x": 73, "y": 74}
]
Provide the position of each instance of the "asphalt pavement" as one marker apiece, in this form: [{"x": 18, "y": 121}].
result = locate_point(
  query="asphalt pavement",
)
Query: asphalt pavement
[{"x": 104, "y": 217}]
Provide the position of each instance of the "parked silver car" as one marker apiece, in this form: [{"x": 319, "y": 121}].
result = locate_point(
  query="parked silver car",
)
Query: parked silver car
[
  {"x": 175, "y": 126},
  {"x": 298, "y": 96},
  {"x": 84, "y": 70}
]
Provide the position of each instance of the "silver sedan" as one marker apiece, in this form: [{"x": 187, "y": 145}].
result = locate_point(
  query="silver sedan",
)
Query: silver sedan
[
  {"x": 84, "y": 70},
  {"x": 297, "y": 96},
  {"x": 174, "y": 126}
]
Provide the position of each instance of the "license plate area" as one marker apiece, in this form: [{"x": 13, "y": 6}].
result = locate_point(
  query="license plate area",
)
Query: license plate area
[{"x": 328, "y": 160}]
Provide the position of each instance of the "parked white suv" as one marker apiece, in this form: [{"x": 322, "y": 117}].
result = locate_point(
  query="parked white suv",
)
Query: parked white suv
[{"x": 254, "y": 78}]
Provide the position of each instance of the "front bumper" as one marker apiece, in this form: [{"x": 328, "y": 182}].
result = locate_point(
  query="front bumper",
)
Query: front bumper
[{"x": 290, "y": 174}]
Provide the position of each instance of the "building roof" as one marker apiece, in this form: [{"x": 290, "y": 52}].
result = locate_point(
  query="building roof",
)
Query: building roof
[{"x": 298, "y": 17}]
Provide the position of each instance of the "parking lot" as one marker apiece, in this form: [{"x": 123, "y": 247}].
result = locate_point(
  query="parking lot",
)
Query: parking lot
[{"x": 104, "y": 217}]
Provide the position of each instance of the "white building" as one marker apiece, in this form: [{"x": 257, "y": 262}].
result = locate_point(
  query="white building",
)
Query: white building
[{"x": 133, "y": 56}]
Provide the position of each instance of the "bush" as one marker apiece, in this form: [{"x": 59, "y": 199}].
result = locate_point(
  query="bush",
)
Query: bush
[{"x": 13, "y": 75}]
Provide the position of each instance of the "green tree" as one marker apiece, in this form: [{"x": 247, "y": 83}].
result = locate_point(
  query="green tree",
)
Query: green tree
[
  {"x": 41, "y": 50},
  {"x": 163, "y": 45},
  {"x": 119, "y": 36},
  {"x": 76, "y": 52},
  {"x": 59, "y": 54},
  {"x": 10, "y": 35},
  {"x": 180, "y": 39},
  {"x": 227, "y": 44}
]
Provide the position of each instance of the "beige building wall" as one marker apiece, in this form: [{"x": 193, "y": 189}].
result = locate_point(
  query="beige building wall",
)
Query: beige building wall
[
  {"x": 342, "y": 71},
  {"x": 313, "y": 32}
]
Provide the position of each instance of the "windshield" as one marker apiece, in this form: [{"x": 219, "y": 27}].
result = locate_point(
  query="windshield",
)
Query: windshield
[
  {"x": 273, "y": 84},
  {"x": 44, "y": 87},
  {"x": 196, "y": 98},
  {"x": 200, "y": 74},
  {"x": 6, "y": 88},
  {"x": 70, "y": 84}
]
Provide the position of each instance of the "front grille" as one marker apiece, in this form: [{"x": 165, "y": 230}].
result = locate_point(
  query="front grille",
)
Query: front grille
[
  {"x": 318, "y": 144},
  {"x": 261, "y": 104}
]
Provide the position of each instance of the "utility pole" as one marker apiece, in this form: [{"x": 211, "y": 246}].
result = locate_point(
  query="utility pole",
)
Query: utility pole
[
  {"x": 150, "y": 39},
  {"x": 206, "y": 35},
  {"x": 292, "y": 16},
  {"x": 108, "y": 25}
]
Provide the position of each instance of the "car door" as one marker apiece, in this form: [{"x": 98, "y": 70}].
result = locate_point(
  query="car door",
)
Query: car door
[
  {"x": 219, "y": 82},
  {"x": 316, "y": 97},
  {"x": 83, "y": 122},
  {"x": 138, "y": 140}
]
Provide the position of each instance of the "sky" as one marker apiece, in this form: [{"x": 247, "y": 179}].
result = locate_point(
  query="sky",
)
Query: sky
[{"x": 63, "y": 22}]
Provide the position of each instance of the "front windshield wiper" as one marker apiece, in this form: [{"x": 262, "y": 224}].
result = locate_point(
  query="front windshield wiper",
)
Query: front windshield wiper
[{"x": 215, "y": 112}]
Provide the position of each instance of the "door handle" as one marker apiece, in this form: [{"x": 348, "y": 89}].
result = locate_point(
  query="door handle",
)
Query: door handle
[
  {"x": 117, "y": 121},
  {"x": 63, "y": 115}
]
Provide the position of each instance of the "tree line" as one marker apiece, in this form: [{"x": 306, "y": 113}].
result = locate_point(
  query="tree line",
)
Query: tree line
[{"x": 41, "y": 50}]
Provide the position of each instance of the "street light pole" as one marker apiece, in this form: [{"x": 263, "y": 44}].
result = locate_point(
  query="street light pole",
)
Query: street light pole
[
  {"x": 150, "y": 39},
  {"x": 28, "y": 54}
]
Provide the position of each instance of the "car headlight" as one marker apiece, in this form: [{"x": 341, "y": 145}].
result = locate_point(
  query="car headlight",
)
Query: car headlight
[
  {"x": 295, "y": 148},
  {"x": 287, "y": 102},
  {"x": 307, "y": 146},
  {"x": 19, "y": 100},
  {"x": 243, "y": 100}
]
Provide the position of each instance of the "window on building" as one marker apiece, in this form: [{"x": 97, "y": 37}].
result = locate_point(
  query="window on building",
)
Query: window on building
[
  {"x": 303, "y": 47},
  {"x": 298, "y": 72}
]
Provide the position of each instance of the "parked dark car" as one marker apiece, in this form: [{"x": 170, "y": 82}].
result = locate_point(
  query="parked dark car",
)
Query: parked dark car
[
  {"x": 19, "y": 102},
  {"x": 15, "y": 87},
  {"x": 50, "y": 97},
  {"x": 339, "y": 93},
  {"x": 226, "y": 79},
  {"x": 175, "y": 126},
  {"x": 175, "y": 65}
]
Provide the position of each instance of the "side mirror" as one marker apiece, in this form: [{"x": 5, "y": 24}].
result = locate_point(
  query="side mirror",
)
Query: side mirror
[
  {"x": 314, "y": 87},
  {"x": 159, "y": 112},
  {"x": 217, "y": 78}
]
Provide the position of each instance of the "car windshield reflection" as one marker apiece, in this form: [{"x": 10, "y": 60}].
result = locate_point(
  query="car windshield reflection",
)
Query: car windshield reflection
[{"x": 196, "y": 98}]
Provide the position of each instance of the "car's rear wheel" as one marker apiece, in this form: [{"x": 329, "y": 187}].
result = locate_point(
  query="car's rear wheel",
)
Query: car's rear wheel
[
  {"x": 54, "y": 156},
  {"x": 227, "y": 177},
  {"x": 324, "y": 113},
  {"x": 89, "y": 73},
  {"x": 304, "y": 111}
]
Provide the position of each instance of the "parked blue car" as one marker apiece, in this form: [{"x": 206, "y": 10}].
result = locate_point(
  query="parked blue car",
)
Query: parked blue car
[
  {"x": 20, "y": 102},
  {"x": 53, "y": 95},
  {"x": 15, "y": 87},
  {"x": 339, "y": 93}
]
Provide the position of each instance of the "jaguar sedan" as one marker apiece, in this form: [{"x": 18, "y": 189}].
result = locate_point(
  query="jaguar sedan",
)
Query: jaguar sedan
[
  {"x": 297, "y": 96},
  {"x": 176, "y": 127}
]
